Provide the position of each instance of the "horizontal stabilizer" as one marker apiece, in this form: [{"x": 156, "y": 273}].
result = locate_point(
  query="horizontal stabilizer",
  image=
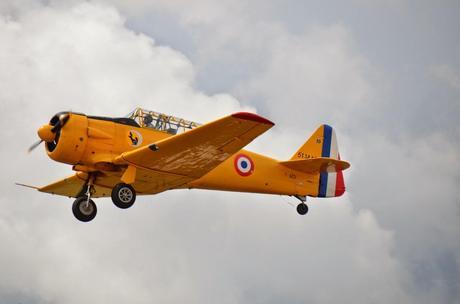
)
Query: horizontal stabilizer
[{"x": 317, "y": 165}]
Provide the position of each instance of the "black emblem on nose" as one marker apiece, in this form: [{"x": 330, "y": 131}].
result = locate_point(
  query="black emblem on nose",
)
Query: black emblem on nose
[{"x": 134, "y": 138}]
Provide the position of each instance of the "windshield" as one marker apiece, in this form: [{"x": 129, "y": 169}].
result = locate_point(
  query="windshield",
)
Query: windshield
[{"x": 161, "y": 122}]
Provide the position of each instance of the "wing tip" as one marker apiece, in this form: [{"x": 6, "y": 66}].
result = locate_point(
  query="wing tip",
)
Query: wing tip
[
  {"x": 252, "y": 117},
  {"x": 27, "y": 186}
]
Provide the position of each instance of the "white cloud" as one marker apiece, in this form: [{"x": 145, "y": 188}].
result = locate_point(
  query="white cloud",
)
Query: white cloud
[
  {"x": 216, "y": 247},
  {"x": 85, "y": 59}
]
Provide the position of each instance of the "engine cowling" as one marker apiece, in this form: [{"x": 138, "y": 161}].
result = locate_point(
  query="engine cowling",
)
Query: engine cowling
[{"x": 70, "y": 139}]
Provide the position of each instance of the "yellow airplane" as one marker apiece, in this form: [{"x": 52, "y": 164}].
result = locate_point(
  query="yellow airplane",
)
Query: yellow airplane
[{"x": 148, "y": 152}]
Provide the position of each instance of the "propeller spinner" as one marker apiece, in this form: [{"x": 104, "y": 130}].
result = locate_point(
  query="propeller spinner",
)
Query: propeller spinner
[{"x": 50, "y": 132}]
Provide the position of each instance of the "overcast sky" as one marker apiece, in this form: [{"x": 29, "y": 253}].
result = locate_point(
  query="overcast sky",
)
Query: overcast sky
[{"x": 385, "y": 74}]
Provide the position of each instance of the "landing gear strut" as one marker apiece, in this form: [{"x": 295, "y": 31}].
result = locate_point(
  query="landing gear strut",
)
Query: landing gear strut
[
  {"x": 302, "y": 208},
  {"x": 123, "y": 195}
]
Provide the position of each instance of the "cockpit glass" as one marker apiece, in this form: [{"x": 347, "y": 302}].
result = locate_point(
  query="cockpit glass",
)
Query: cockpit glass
[{"x": 161, "y": 122}]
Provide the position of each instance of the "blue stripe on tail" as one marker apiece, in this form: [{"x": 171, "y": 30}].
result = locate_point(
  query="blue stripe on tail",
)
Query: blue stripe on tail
[
  {"x": 322, "y": 184},
  {"x": 325, "y": 152}
]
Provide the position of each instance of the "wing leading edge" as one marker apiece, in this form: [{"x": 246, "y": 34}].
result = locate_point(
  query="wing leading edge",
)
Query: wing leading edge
[{"x": 74, "y": 186}]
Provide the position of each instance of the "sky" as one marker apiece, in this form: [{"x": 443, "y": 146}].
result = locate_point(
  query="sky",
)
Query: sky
[{"x": 384, "y": 74}]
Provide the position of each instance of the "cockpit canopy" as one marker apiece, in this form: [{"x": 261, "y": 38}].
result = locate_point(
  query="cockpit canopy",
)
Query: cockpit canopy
[{"x": 161, "y": 122}]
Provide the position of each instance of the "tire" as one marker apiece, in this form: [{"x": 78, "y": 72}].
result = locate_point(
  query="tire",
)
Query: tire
[
  {"x": 123, "y": 196},
  {"x": 302, "y": 209},
  {"x": 82, "y": 212}
]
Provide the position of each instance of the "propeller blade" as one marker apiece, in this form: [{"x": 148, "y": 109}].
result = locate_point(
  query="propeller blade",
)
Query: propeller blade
[
  {"x": 36, "y": 144},
  {"x": 62, "y": 121}
]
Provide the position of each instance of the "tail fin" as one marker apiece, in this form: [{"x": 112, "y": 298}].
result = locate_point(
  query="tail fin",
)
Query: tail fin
[{"x": 323, "y": 143}]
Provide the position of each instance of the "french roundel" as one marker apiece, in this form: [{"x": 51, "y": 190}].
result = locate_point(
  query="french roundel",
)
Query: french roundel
[{"x": 244, "y": 165}]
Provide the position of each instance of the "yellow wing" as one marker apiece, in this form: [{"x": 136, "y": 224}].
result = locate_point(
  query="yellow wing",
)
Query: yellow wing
[
  {"x": 196, "y": 152},
  {"x": 147, "y": 182},
  {"x": 74, "y": 186}
]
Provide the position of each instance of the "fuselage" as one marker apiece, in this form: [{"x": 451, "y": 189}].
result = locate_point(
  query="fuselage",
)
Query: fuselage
[{"x": 91, "y": 144}]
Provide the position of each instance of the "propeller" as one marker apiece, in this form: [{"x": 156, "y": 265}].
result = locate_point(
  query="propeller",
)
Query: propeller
[
  {"x": 34, "y": 145},
  {"x": 63, "y": 118},
  {"x": 49, "y": 132}
]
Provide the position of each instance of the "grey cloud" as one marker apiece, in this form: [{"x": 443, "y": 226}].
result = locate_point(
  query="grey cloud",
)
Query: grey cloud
[{"x": 447, "y": 74}]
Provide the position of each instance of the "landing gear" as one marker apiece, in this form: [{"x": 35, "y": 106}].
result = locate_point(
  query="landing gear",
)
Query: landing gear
[
  {"x": 302, "y": 208},
  {"x": 123, "y": 195},
  {"x": 84, "y": 209}
]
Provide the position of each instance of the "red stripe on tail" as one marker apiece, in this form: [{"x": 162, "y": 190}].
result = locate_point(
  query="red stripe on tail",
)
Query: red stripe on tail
[{"x": 339, "y": 182}]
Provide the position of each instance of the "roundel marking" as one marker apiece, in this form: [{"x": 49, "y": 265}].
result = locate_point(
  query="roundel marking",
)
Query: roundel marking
[
  {"x": 135, "y": 138},
  {"x": 244, "y": 165}
]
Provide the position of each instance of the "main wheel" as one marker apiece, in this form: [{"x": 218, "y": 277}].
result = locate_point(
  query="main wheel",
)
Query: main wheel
[
  {"x": 83, "y": 210},
  {"x": 302, "y": 208},
  {"x": 123, "y": 196}
]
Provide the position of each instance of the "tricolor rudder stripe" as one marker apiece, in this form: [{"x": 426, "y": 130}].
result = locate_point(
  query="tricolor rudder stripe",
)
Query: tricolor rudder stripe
[{"x": 330, "y": 184}]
